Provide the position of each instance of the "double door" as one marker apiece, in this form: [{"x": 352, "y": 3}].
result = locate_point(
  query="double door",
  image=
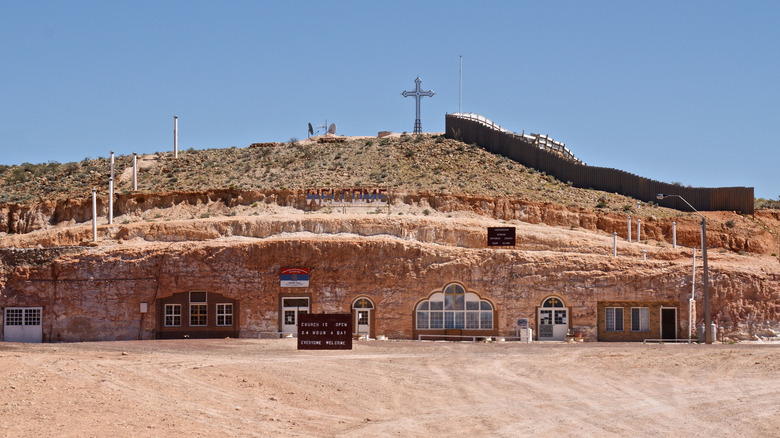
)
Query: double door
[
  {"x": 23, "y": 324},
  {"x": 553, "y": 324},
  {"x": 292, "y": 308}
]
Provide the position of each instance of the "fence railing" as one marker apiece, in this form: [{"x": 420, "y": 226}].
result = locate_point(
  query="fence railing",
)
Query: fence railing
[
  {"x": 523, "y": 148},
  {"x": 540, "y": 140}
]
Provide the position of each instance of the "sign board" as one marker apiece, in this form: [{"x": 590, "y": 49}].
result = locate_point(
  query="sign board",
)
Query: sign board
[
  {"x": 323, "y": 331},
  {"x": 522, "y": 323},
  {"x": 357, "y": 197},
  {"x": 501, "y": 236},
  {"x": 294, "y": 277}
]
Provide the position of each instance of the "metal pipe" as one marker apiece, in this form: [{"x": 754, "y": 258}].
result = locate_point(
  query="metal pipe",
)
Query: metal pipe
[
  {"x": 707, "y": 309},
  {"x": 638, "y": 230},
  {"x": 135, "y": 171},
  {"x": 175, "y": 136},
  {"x": 629, "y": 228},
  {"x": 94, "y": 214},
  {"x": 110, "y": 201},
  {"x": 614, "y": 243},
  {"x": 693, "y": 296}
]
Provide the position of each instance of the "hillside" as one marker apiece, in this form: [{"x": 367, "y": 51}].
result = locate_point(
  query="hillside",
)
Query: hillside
[
  {"x": 428, "y": 163},
  {"x": 449, "y": 175}
]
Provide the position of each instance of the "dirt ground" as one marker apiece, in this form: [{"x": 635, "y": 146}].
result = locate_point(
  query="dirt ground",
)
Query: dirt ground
[{"x": 247, "y": 387}]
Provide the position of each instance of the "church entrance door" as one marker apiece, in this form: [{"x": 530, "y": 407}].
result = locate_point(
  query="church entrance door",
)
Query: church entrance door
[
  {"x": 362, "y": 308},
  {"x": 291, "y": 309},
  {"x": 553, "y": 320}
]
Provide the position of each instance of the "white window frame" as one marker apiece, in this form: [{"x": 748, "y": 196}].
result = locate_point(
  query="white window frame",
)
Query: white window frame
[
  {"x": 444, "y": 318},
  {"x": 615, "y": 319},
  {"x": 223, "y": 314},
  {"x": 172, "y": 315},
  {"x": 644, "y": 320}
]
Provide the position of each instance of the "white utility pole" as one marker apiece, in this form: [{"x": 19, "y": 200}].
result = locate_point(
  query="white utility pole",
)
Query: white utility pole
[
  {"x": 110, "y": 201},
  {"x": 175, "y": 136},
  {"x": 94, "y": 214}
]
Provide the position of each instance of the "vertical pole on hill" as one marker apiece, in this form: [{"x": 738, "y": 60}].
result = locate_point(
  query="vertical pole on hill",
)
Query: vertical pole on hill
[
  {"x": 674, "y": 235},
  {"x": 175, "y": 136},
  {"x": 135, "y": 171},
  {"x": 94, "y": 214},
  {"x": 614, "y": 243},
  {"x": 460, "y": 85},
  {"x": 693, "y": 296},
  {"x": 112, "y": 164},
  {"x": 707, "y": 304},
  {"x": 110, "y": 201},
  {"x": 644, "y": 254},
  {"x": 629, "y": 228},
  {"x": 638, "y": 230}
]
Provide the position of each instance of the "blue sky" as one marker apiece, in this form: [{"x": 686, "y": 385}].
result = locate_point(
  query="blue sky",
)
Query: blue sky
[{"x": 683, "y": 92}]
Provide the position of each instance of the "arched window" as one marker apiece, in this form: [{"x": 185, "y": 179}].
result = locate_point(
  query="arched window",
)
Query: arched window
[
  {"x": 362, "y": 303},
  {"x": 454, "y": 308},
  {"x": 552, "y": 302}
]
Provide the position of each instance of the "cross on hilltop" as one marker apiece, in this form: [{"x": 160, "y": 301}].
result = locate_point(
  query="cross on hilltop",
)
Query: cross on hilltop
[{"x": 417, "y": 94}]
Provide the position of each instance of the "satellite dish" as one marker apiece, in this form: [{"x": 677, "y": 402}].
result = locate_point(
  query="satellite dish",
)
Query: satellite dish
[
  {"x": 332, "y": 129},
  {"x": 311, "y": 130}
]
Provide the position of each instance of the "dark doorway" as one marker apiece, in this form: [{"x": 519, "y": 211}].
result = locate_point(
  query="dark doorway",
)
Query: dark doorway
[{"x": 668, "y": 323}]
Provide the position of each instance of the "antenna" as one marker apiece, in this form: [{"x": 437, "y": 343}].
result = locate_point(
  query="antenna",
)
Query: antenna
[
  {"x": 332, "y": 129},
  {"x": 460, "y": 84},
  {"x": 311, "y": 130}
]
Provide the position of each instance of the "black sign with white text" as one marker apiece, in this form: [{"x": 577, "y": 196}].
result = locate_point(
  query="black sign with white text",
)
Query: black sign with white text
[
  {"x": 322, "y": 331},
  {"x": 501, "y": 236}
]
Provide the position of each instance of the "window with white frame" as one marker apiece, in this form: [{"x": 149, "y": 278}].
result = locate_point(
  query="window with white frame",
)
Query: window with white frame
[
  {"x": 173, "y": 315},
  {"x": 614, "y": 319},
  {"x": 454, "y": 308},
  {"x": 225, "y": 314},
  {"x": 640, "y": 319}
]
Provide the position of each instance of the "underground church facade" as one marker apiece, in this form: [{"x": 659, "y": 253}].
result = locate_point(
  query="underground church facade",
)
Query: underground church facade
[{"x": 393, "y": 287}]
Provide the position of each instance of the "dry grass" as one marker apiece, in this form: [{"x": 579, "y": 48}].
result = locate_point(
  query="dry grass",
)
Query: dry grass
[{"x": 429, "y": 163}]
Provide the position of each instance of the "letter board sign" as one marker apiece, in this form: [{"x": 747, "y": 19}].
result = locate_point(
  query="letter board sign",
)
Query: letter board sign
[
  {"x": 323, "y": 331},
  {"x": 501, "y": 236}
]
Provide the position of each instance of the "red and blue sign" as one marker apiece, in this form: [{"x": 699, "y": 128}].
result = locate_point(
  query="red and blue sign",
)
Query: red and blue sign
[{"x": 294, "y": 277}]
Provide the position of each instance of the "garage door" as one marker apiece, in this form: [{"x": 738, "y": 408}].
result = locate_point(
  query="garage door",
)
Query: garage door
[{"x": 22, "y": 324}]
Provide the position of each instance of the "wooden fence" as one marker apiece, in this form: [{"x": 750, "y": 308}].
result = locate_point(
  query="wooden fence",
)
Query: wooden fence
[{"x": 480, "y": 131}]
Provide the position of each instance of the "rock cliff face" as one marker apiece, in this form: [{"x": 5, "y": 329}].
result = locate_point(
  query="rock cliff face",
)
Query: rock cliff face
[
  {"x": 95, "y": 293},
  {"x": 757, "y": 234}
]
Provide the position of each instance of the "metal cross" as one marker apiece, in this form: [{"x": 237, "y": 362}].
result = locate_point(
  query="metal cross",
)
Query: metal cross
[{"x": 417, "y": 94}]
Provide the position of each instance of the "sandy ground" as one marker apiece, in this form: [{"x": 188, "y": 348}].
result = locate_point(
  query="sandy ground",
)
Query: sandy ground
[{"x": 243, "y": 387}]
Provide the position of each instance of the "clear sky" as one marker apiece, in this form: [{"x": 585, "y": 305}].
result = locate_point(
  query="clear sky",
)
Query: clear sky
[{"x": 684, "y": 92}]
